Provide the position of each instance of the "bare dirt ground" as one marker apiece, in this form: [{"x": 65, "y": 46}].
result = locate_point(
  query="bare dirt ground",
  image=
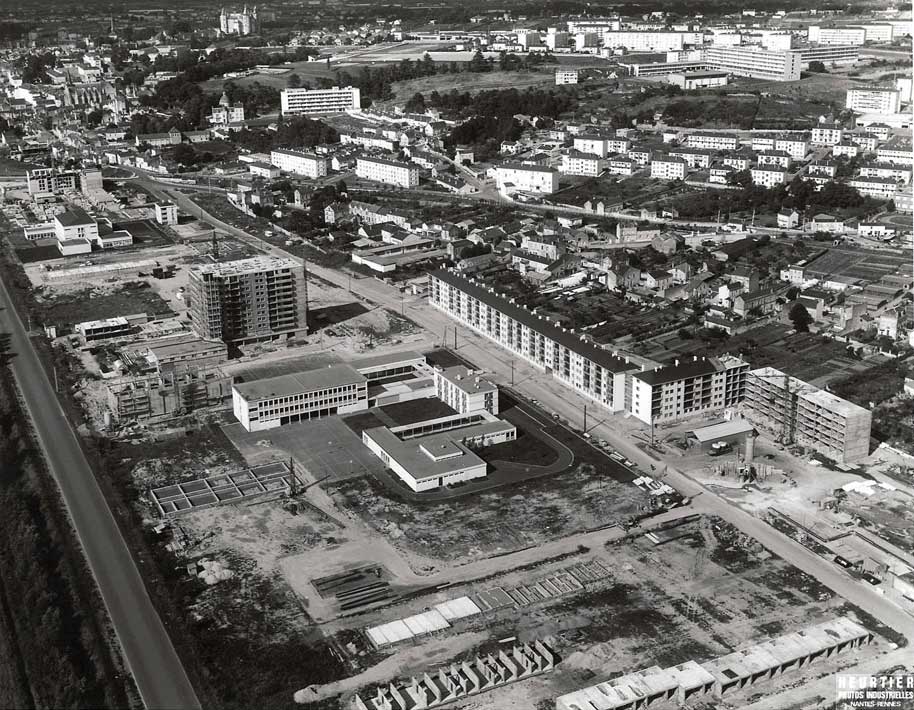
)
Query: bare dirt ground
[
  {"x": 522, "y": 515},
  {"x": 695, "y": 598}
]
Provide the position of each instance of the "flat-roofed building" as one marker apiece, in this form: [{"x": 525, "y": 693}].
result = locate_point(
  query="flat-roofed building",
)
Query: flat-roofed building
[
  {"x": 317, "y": 101},
  {"x": 465, "y": 391},
  {"x": 621, "y": 165},
  {"x": 574, "y": 162},
  {"x": 897, "y": 150},
  {"x": 768, "y": 176},
  {"x": 755, "y": 62},
  {"x": 796, "y": 148},
  {"x": 511, "y": 177},
  {"x": 816, "y": 34},
  {"x": 591, "y": 144},
  {"x": 837, "y": 54},
  {"x": 435, "y": 453},
  {"x": 874, "y": 100},
  {"x": 694, "y": 157},
  {"x": 876, "y": 187},
  {"x": 646, "y": 41},
  {"x": 75, "y": 224},
  {"x": 576, "y": 362},
  {"x": 276, "y": 401},
  {"x": 564, "y": 75},
  {"x": 687, "y": 388},
  {"x": 299, "y": 162},
  {"x": 713, "y": 141},
  {"x": 690, "y": 81},
  {"x": 826, "y": 134},
  {"x": 803, "y": 414},
  {"x": 248, "y": 300},
  {"x": 900, "y": 173},
  {"x": 101, "y": 329},
  {"x": 51, "y": 180},
  {"x": 777, "y": 158},
  {"x": 166, "y": 212},
  {"x": 668, "y": 167},
  {"x": 390, "y": 172}
]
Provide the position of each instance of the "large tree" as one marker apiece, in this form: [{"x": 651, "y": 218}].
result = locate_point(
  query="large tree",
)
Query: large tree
[{"x": 800, "y": 317}]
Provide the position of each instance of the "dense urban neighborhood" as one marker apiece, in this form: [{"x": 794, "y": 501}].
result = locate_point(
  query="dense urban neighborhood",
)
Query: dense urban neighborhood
[{"x": 547, "y": 355}]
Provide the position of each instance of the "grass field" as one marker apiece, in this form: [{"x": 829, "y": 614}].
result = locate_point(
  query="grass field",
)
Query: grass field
[
  {"x": 472, "y": 83},
  {"x": 306, "y": 70}
]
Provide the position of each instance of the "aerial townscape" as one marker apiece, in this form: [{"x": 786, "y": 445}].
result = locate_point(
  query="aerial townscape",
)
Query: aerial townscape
[{"x": 543, "y": 355}]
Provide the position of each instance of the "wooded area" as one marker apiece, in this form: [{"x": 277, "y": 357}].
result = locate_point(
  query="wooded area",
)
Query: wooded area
[{"x": 54, "y": 652}]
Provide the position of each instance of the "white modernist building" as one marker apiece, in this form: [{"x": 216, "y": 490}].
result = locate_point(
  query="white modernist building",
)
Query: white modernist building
[
  {"x": 299, "y": 163},
  {"x": 464, "y": 391},
  {"x": 712, "y": 141},
  {"x": 688, "y": 388},
  {"x": 166, "y": 212},
  {"x": 667, "y": 167},
  {"x": 756, "y": 62},
  {"x": 273, "y": 402},
  {"x": 435, "y": 453},
  {"x": 875, "y": 100},
  {"x": 512, "y": 177},
  {"x": 316, "y": 101},
  {"x": 566, "y": 76},
  {"x": 817, "y": 34},
  {"x": 826, "y": 134},
  {"x": 391, "y": 172},
  {"x": 579, "y": 364},
  {"x": 574, "y": 162},
  {"x": 337, "y": 389}
]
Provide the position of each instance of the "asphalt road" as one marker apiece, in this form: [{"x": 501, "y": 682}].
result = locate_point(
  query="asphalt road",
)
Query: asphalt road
[
  {"x": 148, "y": 651},
  {"x": 534, "y": 383}
]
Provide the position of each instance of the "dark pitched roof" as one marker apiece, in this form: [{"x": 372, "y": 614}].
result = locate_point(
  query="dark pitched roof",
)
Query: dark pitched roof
[
  {"x": 661, "y": 375},
  {"x": 547, "y": 328}
]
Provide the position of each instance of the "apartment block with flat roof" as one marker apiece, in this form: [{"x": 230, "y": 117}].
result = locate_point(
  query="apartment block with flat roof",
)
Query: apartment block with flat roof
[
  {"x": 391, "y": 172},
  {"x": 299, "y": 162},
  {"x": 874, "y": 100},
  {"x": 248, "y": 300},
  {"x": 576, "y": 362},
  {"x": 756, "y": 62},
  {"x": 316, "y": 101},
  {"x": 799, "y": 413},
  {"x": 817, "y": 34},
  {"x": 526, "y": 178}
]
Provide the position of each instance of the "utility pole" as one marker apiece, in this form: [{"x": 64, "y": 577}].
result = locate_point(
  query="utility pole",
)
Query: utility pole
[
  {"x": 585, "y": 418},
  {"x": 56, "y": 382},
  {"x": 512, "y": 377},
  {"x": 455, "y": 337}
]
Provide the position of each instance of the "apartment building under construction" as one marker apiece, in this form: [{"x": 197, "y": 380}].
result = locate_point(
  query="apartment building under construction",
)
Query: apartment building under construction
[
  {"x": 796, "y": 412},
  {"x": 248, "y": 300}
]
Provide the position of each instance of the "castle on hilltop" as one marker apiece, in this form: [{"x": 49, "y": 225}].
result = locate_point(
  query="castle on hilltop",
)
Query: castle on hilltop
[{"x": 239, "y": 23}]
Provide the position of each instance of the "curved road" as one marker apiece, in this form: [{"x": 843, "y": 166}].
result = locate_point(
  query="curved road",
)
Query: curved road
[
  {"x": 534, "y": 383},
  {"x": 147, "y": 649}
]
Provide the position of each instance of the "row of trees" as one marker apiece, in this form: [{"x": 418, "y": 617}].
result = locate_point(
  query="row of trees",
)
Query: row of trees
[
  {"x": 504, "y": 102},
  {"x": 61, "y": 653},
  {"x": 297, "y": 132},
  {"x": 799, "y": 195}
]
